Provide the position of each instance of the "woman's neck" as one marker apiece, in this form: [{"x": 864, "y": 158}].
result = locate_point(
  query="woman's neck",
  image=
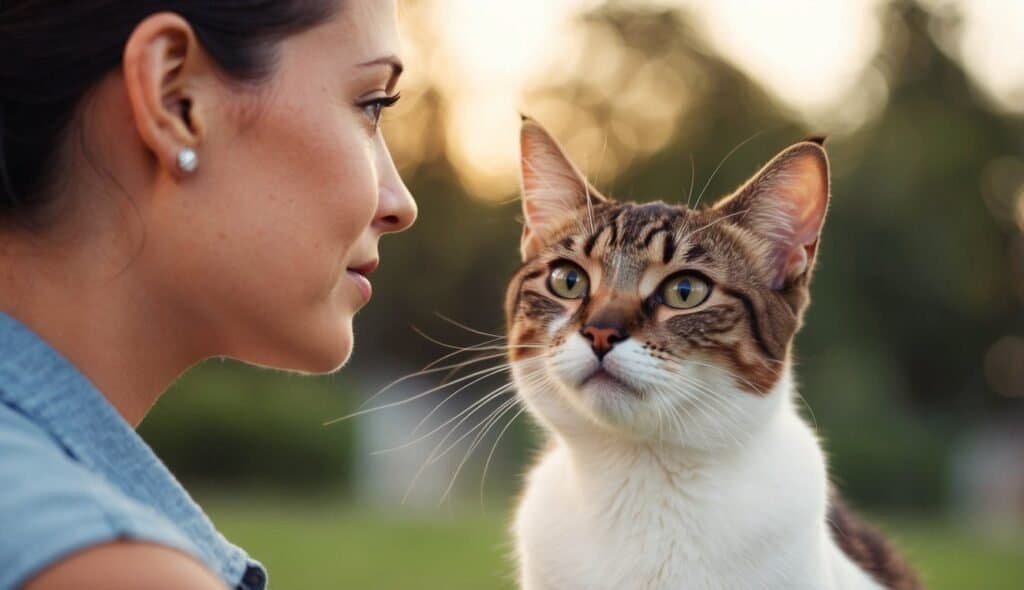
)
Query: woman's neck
[{"x": 88, "y": 302}]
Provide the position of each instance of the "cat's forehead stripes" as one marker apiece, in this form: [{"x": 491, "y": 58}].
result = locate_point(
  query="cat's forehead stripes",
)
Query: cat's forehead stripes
[
  {"x": 632, "y": 226},
  {"x": 627, "y": 238}
]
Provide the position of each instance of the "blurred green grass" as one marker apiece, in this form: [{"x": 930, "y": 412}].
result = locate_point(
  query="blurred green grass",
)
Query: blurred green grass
[
  {"x": 316, "y": 543},
  {"x": 951, "y": 558},
  {"x": 310, "y": 544}
]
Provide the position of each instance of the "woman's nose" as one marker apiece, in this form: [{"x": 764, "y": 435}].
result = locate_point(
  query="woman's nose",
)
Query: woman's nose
[{"x": 396, "y": 209}]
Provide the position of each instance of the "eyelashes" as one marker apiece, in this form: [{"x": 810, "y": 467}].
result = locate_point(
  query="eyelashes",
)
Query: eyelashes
[{"x": 373, "y": 108}]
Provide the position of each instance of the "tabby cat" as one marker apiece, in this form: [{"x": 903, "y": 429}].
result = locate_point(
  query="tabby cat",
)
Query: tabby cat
[{"x": 652, "y": 343}]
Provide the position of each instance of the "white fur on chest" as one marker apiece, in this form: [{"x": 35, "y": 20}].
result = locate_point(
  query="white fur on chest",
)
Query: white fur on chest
[{"x": 606, "y": 513}]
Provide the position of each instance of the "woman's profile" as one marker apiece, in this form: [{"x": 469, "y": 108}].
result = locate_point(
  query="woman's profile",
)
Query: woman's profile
[{"x": 179, "y": 180}]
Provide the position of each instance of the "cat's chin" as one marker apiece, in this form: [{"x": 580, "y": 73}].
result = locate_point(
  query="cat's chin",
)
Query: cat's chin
[
  {"x": 603, "y": 382},
  {"x": 610, "y": 400}
]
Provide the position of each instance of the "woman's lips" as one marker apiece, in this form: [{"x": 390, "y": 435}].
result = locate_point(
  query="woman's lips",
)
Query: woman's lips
[
  {"x": 362, "y": 283},
  {"x": 358, "y": 276}
]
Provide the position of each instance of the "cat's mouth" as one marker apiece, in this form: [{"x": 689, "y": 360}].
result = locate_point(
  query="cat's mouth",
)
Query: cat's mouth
[{"x": 605, "y": 380}]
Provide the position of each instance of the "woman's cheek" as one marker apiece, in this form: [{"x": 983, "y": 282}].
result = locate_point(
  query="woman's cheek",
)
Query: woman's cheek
[{"x": 358, "y": 193}]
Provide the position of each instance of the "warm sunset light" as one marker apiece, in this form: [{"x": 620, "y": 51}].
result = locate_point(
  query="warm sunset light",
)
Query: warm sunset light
[{"x": 488, "y": 62}]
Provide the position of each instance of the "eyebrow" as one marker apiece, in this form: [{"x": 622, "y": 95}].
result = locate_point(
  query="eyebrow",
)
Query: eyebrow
[{"x": 389, "y": 60}]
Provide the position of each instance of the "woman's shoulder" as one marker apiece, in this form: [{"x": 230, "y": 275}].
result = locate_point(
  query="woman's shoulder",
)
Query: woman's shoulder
[{"x": 52, "y": 506}]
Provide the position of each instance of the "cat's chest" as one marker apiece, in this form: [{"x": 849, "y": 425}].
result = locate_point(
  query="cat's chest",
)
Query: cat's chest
[
  {"x": 673, "y": 550},
  {"x": 647, "y": 528}
]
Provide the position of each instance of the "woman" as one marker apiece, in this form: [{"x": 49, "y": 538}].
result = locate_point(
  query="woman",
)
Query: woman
[{"x": 179, "y": 179}]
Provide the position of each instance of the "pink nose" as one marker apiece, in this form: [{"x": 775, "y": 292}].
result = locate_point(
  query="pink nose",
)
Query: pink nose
[{"x": 603, "y": 339}]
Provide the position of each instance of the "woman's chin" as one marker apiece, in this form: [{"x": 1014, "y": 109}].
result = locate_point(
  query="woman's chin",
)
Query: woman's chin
[
  {"x": 321, "y": 349},
  {"x": 331, "y": 354}
]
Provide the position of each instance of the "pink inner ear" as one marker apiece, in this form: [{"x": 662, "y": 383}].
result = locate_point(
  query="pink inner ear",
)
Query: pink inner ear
[
  {"x": 552, "y": 186},
  {"x": 809, "y": 198},
  {"x": 801, "y": 191}
]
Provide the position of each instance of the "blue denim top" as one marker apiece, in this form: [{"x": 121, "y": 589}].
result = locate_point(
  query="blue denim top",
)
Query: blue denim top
[{"x": 74, "y": 473}]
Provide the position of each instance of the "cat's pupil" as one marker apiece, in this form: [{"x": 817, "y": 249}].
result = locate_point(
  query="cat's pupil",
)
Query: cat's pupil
[
  {"x": 571, "y": 278},
  {"x": 684, "y": 289}
]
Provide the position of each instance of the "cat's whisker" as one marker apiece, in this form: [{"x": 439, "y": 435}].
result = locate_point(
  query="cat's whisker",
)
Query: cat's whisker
[
  {"x": 657, "y": 415},
  {"x": 709, "y": 391},
  {"x": 413, "y": 398},
  {"x": 494, "y": 447},
  {"x": 679, "y": 423},
  {"x": 590, "y": 198},
  {"x": 724, "y": 421},
  {"x": 803, "y": 401},
  {"x": 428, "y": 370},
  {"x": 702, "y": 403},
  {"x": 428, "y": 461},
  {"x": 507, "y": 387},
  {"x": 708, "y": 225},
  {"x": 450, "y": 420},
  {"x": 693, "y": 173},
  {"x": 483, "y": 400},
  {"x": 667, "y": 388},
  {"x": 423, "y": 420},
  {"x": 458, "y": 324},
  {"x": 729, "y": 373},
  {"x": 489, "y": 423},
  {"x": 680, "y": 420},
  {"x": 527, "y": 379},
  {"x": 482, "y": 347},
  {"x": 456, "y": 347},
  {"x": 452, "y": 369},
  {"x": 711, "y": 417},
  {"x": 724, "y": 160}
]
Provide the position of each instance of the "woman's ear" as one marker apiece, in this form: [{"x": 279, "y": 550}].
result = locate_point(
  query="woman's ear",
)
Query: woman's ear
[{"x": 166, "y": 75}]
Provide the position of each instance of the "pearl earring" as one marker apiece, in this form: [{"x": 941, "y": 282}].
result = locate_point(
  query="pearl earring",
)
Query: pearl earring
[{"x": 188, "y": 161}]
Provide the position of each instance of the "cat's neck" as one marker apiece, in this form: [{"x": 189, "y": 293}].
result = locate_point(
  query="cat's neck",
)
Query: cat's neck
[{"x": 601, "y": 457}]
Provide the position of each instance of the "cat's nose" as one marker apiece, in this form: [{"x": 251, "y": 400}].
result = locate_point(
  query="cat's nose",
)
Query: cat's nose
[{"x": 602, "y": 338}]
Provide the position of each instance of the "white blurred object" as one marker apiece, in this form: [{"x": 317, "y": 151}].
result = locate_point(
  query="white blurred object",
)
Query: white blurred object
[{"x": 988, "y": 479}]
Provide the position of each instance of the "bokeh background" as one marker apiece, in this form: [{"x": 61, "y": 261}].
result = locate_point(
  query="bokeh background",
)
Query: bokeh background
[{"x": 911, "y": 362}]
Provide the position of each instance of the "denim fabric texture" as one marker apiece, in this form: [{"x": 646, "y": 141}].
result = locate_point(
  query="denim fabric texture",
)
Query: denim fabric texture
[{"x": 74, "y": 473}]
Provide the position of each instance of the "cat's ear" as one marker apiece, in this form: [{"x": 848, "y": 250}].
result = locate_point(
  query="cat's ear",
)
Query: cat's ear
[
  {"x": 553, "y": 188},
  {"x": 784, "y": 204}
]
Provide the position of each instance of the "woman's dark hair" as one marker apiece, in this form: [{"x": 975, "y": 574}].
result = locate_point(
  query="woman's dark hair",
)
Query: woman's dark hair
[{"x": 52, "y": 52}]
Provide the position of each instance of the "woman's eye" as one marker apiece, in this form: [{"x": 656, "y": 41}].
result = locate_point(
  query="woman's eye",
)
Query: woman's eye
[
  {"x": 685, "y": 291},
  {"x": 374, "y": 108},
  {"x": 568, "y": 281}
]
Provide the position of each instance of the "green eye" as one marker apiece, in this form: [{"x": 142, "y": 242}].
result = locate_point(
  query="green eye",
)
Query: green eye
[
  {"x": 685, "y": 291},
  {"x": 568, "y": 281}
]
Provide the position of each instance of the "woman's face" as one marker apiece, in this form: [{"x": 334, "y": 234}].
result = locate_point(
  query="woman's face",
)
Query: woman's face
[{"x": 294, "y": 189}]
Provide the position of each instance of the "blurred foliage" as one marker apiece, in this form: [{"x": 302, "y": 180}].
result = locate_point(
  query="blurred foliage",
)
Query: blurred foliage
[
  {"x": 241, "y": 427},
  {"x": 921, "y": 270}
]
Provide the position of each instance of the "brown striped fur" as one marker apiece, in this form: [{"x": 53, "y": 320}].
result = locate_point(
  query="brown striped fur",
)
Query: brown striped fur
[
  {"x": 869, "y": 549},
  {"x": 749, "y": 329}
]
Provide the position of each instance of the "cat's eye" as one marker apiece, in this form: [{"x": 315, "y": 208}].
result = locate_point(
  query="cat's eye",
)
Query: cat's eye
[
  {"x": 684, "y": 291},
  {"x": 568, "y": 281}
]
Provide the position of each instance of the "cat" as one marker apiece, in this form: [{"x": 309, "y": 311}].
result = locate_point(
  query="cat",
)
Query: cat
[{"x": 652, "y": 344}]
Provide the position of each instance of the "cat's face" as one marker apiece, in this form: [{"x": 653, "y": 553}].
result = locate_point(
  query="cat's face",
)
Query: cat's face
[{"x": 656, "y": 321}]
